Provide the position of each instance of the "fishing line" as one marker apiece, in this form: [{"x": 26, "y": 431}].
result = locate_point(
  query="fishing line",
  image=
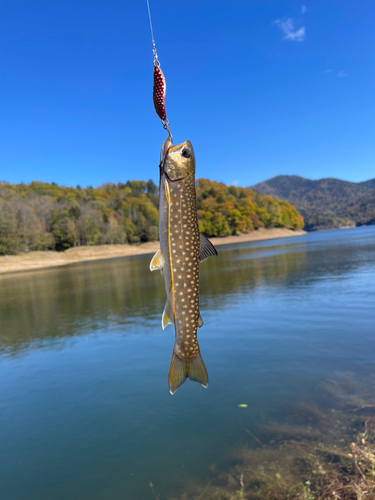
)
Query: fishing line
[
  {"x": 152, "y": 34},
  {"x": 160, "y": 86}
]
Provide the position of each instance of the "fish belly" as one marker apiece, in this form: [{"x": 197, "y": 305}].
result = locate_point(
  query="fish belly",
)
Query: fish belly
[{"x": 164, "y": 240}]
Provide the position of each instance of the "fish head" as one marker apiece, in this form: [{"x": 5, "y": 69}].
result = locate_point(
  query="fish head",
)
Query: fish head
[{"x": 179, "y": 161}]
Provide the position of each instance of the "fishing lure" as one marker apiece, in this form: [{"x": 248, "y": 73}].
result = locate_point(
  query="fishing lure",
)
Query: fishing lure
[{"x": 159, "y": 92}]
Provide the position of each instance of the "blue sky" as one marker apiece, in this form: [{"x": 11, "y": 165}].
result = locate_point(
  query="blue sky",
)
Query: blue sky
[{"x": 261, "y": 88}]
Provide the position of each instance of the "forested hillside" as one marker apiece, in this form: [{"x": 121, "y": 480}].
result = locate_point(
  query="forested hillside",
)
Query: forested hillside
[
  {"x": 41, "y": 216},
  {"x": 326, "y": 203},
  {"x": 225, "y": 210}
]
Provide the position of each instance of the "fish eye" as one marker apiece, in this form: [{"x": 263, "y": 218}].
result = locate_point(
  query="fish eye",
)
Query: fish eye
[{"x": 186, "y": 153}]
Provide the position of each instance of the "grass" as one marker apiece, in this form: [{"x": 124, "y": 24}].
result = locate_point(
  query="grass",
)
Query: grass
[{"x": 322, "y": 451}]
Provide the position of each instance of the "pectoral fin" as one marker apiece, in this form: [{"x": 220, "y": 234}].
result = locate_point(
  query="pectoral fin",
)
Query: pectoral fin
[
  {"x": 157, "y": 261},
  {"x": 206, "y": 249},
  {"x": 167, "y": 318}
]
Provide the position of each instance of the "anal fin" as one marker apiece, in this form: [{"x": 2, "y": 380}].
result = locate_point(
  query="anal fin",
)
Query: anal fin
[
  {"x": 206, "y": 249},
  {"x": 157, "y": 261},
  {"x": 168, "y": 316}
]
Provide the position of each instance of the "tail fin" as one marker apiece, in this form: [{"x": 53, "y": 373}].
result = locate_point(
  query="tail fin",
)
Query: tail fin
[{"x": 181, "y": 369}]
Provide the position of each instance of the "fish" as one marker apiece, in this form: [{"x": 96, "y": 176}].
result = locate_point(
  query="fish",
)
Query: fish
[{"x": 182, "y": 248}]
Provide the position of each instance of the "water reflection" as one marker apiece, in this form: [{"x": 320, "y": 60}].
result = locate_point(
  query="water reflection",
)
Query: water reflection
[
  {"x": 76, "y": 299},
  {"x": 46, "y": 306}
]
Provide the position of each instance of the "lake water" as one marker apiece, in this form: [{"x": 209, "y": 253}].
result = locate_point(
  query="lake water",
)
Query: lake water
[{"x": 85, "y": 411}]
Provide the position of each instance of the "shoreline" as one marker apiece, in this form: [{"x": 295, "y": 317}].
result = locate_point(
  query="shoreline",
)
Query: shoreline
[{"x": 45, "y": 259}]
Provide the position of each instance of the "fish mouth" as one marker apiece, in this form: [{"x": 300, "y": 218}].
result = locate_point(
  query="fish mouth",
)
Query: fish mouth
[{"x": 165, "y": 147}]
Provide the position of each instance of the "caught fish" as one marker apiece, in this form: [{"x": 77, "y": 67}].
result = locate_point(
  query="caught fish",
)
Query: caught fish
[{"x": 182, "y": 248}]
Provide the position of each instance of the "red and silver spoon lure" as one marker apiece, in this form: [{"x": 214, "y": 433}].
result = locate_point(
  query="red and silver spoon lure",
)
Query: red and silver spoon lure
[{"x": 159, "y": 91}]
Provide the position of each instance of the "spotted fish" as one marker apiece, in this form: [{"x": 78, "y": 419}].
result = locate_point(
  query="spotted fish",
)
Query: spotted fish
[{"x": 182, "y": 248}]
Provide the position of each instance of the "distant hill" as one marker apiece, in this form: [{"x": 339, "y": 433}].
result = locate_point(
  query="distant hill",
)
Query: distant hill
[
  {"x": 41, "y": 216},
  {"x": 326, "y": 203}
]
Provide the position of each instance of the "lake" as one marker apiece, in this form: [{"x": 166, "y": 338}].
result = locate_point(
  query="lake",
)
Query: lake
[{"x": 85, "y": 411}]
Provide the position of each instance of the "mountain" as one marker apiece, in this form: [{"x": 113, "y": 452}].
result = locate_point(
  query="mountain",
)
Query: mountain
[
  {"x": 325, "y": 203},
  {"x": 41, "y": 216}
]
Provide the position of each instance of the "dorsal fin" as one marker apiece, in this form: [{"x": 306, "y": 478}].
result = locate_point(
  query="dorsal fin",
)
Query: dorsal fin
[{"x": 206, "y": 249}]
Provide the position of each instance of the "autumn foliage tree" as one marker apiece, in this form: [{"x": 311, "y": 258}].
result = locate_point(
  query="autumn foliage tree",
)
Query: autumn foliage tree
[
  {"x": 42, "y": 216},
  {"x": 226, "y": 210}
]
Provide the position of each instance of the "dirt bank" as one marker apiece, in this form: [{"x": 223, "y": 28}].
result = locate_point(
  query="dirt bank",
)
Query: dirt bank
[{"x": 38, "y": 260}]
